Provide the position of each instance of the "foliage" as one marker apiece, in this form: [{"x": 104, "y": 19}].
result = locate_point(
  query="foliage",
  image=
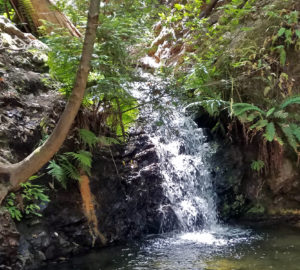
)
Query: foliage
[
  {"x": 257, "y": 209},
  {"x": 70, "y": 165},
  {"x": 6, "y": 9},
  {"x": 27, "y": 10},
  {"x": 28, "y": 201},
  {"x": 111, "y": 67},
  {"x": 257, "y": 165},
  {"x": 244, "y": 70},
  {"x": 277, "y": 123},
  {"x": 63, "y": 59}
]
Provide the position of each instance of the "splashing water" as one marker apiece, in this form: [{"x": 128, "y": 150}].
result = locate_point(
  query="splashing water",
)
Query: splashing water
[{"x": 182, "y": 148}]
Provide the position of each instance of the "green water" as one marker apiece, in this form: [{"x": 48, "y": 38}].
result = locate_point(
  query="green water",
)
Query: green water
[{"x": 223, "y": 248}]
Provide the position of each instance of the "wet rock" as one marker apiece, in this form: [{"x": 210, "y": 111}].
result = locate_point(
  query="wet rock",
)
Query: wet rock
[
  {"x": 9, "y": 240},
  {"x": 284, "y": 181}
]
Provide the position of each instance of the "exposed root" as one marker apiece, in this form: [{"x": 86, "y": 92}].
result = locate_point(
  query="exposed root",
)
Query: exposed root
[{"x": 89, "y": 209}]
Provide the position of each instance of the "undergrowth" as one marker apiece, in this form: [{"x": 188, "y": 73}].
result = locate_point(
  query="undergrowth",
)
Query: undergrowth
[{"x": 240, "y": 67}]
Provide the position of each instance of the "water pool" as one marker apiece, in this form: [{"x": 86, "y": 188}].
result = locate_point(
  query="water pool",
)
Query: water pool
[{"x": 222, "y": 248}]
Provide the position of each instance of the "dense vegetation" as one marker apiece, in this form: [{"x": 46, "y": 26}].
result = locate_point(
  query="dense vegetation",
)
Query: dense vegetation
[{"x": 239, "y": 68}]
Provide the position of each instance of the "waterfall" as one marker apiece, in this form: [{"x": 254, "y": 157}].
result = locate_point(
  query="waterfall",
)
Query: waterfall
[{"x": 182, "y": 148}]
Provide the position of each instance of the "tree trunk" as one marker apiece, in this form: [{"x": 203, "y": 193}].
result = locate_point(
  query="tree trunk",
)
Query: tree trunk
[
  {"x": 12, "y": 175},
  {"x": 208, "y": 9},
  {"x": 40, "y": 10}
]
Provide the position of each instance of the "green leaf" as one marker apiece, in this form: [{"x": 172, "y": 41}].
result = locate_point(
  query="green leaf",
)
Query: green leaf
[
  {"x": 259, "y": 124},
  {"x": 280, "y": 114},
  {"x": 83, "y": 158},
  {"x": 270, "y": 112},
  {"x": 267, "y": 90},
  {"x": 108, "y": 140},
  {"x": 288, "y": 132},
  {"x": 290, "y": 101},
  {"x": 179, "y": 7},
  {"x": 296, "y": 131},
  {"x": 88, "y": 137},
  {"x": 57, "y": 172},
  {"x": 282, "y": 57},
  {"x": 240, "y": 108},
  {"x": 270, "y": 132},
  {"x": 297, "y": 32},
  {"x": 281, "y": 31},
  {"x": 257, "y": 165}
]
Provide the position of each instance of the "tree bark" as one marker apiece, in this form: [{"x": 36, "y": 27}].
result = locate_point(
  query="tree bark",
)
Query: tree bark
[
  {"x": 208, "y": 9},
  {"x": 12, "y": 175},
  {"x": 44, "y": 10}
]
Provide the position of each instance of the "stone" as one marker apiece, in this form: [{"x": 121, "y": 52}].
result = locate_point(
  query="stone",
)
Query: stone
[
  {"x": 285, "y": 179},
  {"x": 9, "y": 239}
]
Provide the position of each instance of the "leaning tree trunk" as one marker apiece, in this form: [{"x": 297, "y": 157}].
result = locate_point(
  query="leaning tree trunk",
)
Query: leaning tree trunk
[
  {"x": 11, "y": 175},
  {"x": 32, "y": 13}
]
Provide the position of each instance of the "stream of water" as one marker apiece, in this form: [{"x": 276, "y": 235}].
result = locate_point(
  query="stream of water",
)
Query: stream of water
[{"x": 202, "y": 242}]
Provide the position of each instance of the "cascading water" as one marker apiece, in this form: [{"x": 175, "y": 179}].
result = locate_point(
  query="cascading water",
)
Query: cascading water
[{"x": 182, "y": 148}]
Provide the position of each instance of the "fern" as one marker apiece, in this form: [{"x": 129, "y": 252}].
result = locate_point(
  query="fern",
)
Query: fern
[
  {"x": 57, "y": 172},
  {"x": 270, "y": 112},
  {"x": 296, "y": 131},
  {"x": 290, "y": 101},
  {"x": 257, "y": 165},
  {"x": 108, "y": 141},
  {"x": 288, "y": 132},
  {"x": 240, "y": 108},
  {"x": 270, "y": 132},
  {"x": 69, "y": 165},
  {"x": 212, "y": 106},
  {"x": 259, "y": 124},
  {"x": 83, "y": 159},
  {"x": 70, "y": 170},
  {"x": 27, "y": 11},
  {"x": 281, "y": 114},
  {"x": 88, "y": 137}
]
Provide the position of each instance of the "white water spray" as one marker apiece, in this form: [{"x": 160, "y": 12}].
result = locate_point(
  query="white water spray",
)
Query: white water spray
[{"x": 182, "y": 148}]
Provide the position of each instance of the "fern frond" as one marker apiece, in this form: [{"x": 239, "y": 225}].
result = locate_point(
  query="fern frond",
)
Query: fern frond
[
  {"x": 288, "y": 132},
  {"x": 259, "y": 124},
  {"x": 83, "y": 158},
  {"x": 88, "y": 137},
  {"x": 290, "y": 101},
  {"x": 269, "y": 112},
  {"x": 270, "y": 132},
  {"x": 108, "y": 141},
  {"x": 296, "y": 131},
  {"x": 278, "y": 139},
  {"x": 27, "y": 10},
  {"x": 246, "y": 118},
  {"x": 281, "y": 114},
  {"x": 69, "y": 169},
  {"x": 57, "y": 172},
  {"x": 240, "y": 108}
]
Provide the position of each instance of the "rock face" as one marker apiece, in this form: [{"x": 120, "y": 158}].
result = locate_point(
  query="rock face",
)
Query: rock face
[
  {"x": 9, "y": 242},
  {"x": 130, "y": 193},
  {"x": 25, "y": 98}
]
